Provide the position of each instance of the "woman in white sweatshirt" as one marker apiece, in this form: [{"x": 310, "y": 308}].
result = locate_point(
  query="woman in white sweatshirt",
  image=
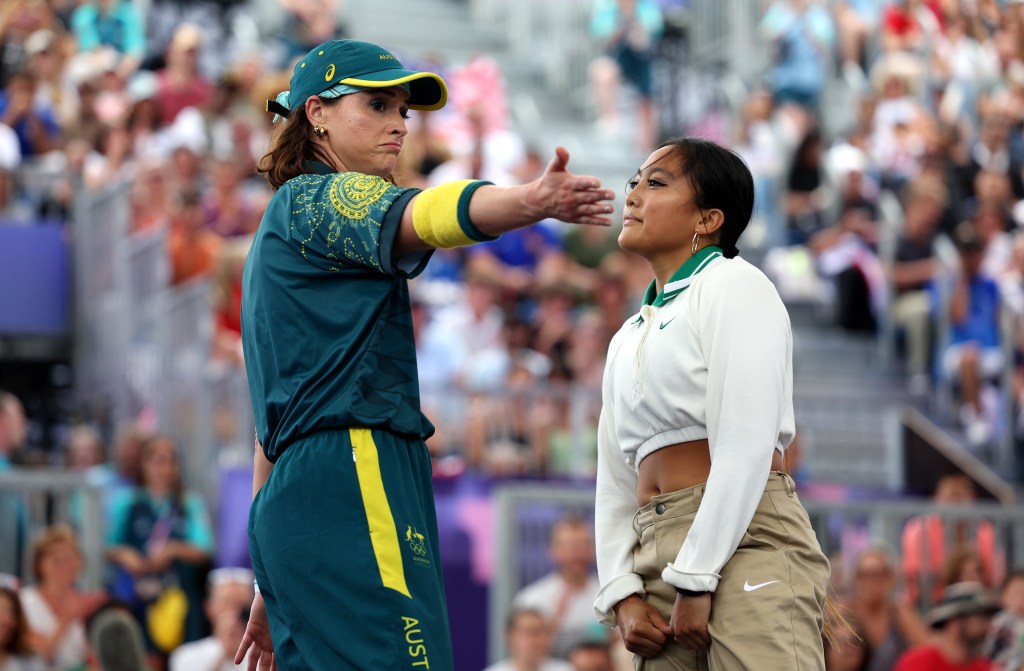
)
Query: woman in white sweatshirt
[{"x": 705, "y": 554}]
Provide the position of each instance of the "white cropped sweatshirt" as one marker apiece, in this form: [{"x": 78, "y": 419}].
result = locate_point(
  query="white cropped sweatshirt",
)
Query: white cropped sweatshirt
[{"x": 710, "y": 357}]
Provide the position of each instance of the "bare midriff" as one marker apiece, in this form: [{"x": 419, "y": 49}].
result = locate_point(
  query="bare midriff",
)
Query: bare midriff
[{"x": 678, "y": 466}]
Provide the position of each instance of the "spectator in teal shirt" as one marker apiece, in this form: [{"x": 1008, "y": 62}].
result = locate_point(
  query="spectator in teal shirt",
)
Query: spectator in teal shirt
[
  {"x": 159, "y": 538},
  {"x": 116, "y": 24}
]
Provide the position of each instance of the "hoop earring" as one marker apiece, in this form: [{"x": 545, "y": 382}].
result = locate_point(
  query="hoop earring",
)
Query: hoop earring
[
  {"x": 693, "y": 245},
  {"x": 319, "y": 131}
]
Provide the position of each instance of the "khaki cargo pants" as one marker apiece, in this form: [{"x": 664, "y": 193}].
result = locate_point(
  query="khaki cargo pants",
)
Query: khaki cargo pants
[{"x": 766, "y": 614}]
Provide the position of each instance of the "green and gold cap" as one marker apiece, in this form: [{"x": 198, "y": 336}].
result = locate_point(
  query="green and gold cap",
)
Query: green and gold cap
[{"x": 339, "y": 67}]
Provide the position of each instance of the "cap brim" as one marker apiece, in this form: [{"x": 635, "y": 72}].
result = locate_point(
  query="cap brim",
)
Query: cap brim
[
  {"x": 427, "y": 91},
  {"x": 942, "y": 614}
]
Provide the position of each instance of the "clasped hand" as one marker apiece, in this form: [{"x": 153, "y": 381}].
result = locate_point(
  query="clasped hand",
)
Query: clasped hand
[{"x": 645, "y": 632}]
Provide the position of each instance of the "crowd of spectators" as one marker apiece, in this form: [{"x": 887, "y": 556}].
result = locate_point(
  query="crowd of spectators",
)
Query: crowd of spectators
[
  {"x": 911, "y": 214},
  {"x": 912, "y": 211}
]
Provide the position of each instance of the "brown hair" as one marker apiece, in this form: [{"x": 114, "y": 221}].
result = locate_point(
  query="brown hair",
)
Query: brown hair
[
  {"x": 47, "y": 538},
  {"x": 177, "y": 488},
  {"x": 18, "y": 642},
  {"x": 291, "y": 146},
  {"x": 720, "y": 180},
  {"x": 958, "y": 560},
  {"x": 837, "y": 628}
]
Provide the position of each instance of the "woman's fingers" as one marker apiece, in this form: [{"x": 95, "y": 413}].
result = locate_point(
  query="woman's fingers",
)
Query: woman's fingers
[
  {"x": 560, "y": 162},
  {"x": 645, "y": 640},
  {"x": 242, "y": 648}
]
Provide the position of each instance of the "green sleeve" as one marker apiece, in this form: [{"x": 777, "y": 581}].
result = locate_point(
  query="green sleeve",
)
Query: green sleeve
[{"x": 345, "y": 220}]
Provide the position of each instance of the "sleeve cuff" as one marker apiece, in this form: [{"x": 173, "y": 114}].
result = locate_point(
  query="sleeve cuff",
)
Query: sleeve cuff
[
  {"x": 614, "y": 592},
  {"x": 695, "y": 582},
  {"x": 465, "y": 223}
]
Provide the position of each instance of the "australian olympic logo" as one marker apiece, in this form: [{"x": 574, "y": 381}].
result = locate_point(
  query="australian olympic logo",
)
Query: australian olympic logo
[{"x": 417, "y": 543}]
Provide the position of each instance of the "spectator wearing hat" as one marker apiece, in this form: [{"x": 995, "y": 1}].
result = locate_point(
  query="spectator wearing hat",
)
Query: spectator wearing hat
[
  {"x": 1005, "y": 644},
  {"x": 959, "y": 623},
  {"x": 897, "y": 139}
]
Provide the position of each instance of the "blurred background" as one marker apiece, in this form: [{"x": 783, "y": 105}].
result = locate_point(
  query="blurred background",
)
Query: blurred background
[{"x": 886, "y": 138}]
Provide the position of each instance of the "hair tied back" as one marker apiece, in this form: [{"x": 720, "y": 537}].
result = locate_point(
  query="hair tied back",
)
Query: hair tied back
[{"x": 279, "y": 106}]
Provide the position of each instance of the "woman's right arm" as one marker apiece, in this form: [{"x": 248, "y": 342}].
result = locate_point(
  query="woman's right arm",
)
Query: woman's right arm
[
  {"x": 493, "y": 210},
  {"x": 620, "y": 602},
  {"x": 256, "y": 640},
  {"x": 613, "y": 523}
]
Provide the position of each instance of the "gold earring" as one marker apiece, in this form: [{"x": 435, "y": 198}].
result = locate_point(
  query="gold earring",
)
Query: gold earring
[
  {"x": 319, "y": 131},
  {"x": 693, "y": 245}
]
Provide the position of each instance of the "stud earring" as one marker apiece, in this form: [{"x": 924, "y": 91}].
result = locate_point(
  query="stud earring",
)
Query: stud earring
[{"x": 319, "y": 131}]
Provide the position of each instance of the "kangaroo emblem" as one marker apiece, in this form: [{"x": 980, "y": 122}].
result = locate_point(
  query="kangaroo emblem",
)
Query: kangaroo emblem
[{"x": 417, "y": 541}]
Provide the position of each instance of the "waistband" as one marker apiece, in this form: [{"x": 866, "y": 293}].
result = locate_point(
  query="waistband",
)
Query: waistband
[{"x": 685, "y": 501}]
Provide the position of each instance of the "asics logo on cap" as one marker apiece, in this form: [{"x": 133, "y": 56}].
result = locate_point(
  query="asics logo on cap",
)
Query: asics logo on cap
[{"x": 387, "y": 57}]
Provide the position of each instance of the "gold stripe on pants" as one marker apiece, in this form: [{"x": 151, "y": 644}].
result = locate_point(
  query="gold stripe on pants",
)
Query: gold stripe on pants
[{"x": 383, "y": 534}]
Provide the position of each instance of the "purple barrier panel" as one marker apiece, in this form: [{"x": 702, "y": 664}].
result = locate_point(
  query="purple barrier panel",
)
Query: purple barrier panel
[
  {"x": 34, "y": 280},
  {"x": 232, "y": 522},
  {"x": 464, "y": 520}
]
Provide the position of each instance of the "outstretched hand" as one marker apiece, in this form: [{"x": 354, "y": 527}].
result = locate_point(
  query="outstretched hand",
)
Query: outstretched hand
[
  {"x": 257, "y": 636},
  {"x": 576, "y": 199}
]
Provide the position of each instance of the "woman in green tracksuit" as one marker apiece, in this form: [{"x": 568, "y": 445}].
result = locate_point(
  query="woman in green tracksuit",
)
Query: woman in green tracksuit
[{"x": 342, "y": 530}]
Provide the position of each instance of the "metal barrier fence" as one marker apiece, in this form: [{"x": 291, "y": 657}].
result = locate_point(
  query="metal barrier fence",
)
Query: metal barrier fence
[
  {"x": 143, "y": 346},
  {"x": 526, "y": 512},
  {"x": 31, "y": 500},
  {"x": 101, "y": 224}
]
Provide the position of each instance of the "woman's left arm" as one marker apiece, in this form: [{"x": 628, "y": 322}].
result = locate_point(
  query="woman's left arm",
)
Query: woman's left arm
[{"x": 745, "y": 336}]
